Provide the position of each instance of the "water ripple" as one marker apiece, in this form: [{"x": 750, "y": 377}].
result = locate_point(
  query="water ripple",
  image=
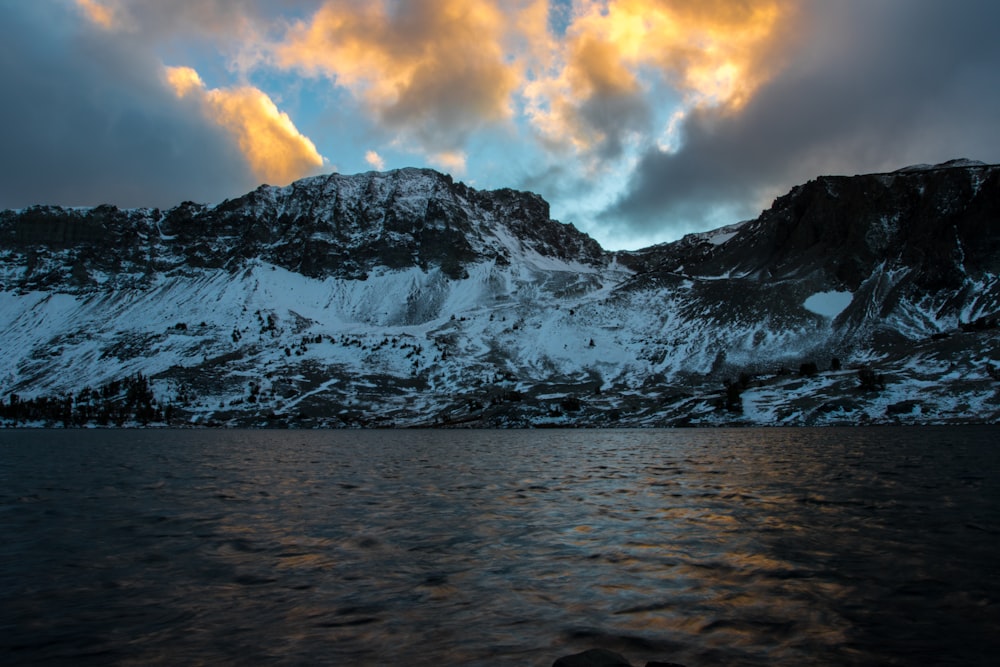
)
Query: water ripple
[{"x": 716, "y": 547}]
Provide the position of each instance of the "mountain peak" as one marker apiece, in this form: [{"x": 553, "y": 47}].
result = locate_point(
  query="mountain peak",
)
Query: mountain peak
[
  {"x": 330, "y": 225},
  {"x": 958, "y": 163},
  {"x": 347, "y": 225}
]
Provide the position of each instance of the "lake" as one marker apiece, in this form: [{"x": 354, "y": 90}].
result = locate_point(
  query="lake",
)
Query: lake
[{"x": 865, "y": 546}]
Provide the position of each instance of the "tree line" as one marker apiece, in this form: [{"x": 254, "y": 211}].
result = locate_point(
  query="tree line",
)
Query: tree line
[{"x": 118, "y": 402}]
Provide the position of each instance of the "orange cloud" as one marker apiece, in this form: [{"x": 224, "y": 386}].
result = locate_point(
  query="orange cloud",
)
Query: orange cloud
[
  {"x": 99, "y": 13},
  {"x": 434, "y": 72},
  {"x": 375, "y": 160},
  {"x": 273, "y": 147},
  {"x": 434, "y": 69},
  {"x": 452, "y": 162},
  {"x": 184, "y": 80},
  {"x": 714, "y": 52}
]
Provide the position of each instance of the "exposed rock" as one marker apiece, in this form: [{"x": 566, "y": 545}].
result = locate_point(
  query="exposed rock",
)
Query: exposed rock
[
  {"x": 599, "y": 657},
  {"x": 324, "y": 226},
  {"x": 595, "y": 657}
]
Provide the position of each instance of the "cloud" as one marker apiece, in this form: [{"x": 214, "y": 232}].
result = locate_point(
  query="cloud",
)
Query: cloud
[
  {"x": 434, "y": 71},
  {"x": 274, "y": 148},
  {"x": 867, "y": 87},
  {"x": 375, "y": 160},
  {"x": 101, "y": 14},
  {"x": 155, "y": 19},
  {"x": 590, "y": 77},
  {"x": 86, "y": 119},
  {"x": 236, "y": 29},
  {"x": 616, "y": 52},
  {"x": 453, "y": 162}
]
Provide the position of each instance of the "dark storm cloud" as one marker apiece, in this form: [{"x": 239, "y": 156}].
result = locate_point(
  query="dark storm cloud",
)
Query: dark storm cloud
[
  {"x": 615, "y": 118},
  {"x": 87, "y": 119},
  {"x": 874, "y": 86}
]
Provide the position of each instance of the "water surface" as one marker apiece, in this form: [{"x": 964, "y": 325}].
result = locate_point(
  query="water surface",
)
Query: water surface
[{"x": 868, "y": 546}]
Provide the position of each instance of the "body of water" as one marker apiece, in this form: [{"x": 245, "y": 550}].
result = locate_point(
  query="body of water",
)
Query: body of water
[{"x": 867, "y": 546}]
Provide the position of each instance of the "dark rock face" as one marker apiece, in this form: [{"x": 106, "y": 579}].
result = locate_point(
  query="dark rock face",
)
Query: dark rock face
[
  {"x": 942, "y": 222},
  {"x": 326, "y": 226},
  {"x": 599, "y": 657},
  {"x": 63, "y": 248},
  {"x": 927, "y": 236},
  {"x": 595, "y": 657}
]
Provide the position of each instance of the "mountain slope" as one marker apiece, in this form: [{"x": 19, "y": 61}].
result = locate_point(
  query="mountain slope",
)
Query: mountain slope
[{"x": 404, "y": 298}]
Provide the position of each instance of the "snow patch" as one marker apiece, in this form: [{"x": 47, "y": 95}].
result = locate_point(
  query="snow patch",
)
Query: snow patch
[
  {"x": 719, "y": 239},
  {"x": 828, "y": 304},
  {"x": 950, "y": 164}
]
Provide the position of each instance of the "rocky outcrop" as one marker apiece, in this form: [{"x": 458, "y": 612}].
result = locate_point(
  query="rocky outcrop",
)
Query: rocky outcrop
[
  {"x": 917, "y": 249},
  {"x": 326, "y": 226},
  {"x": 941, "y": 222},
  {"x": 599, "y": 657}
]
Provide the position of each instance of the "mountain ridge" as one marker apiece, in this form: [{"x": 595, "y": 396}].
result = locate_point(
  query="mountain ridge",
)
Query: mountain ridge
[
  {"x": 321, "y": 226},
  {"x": 404, "y": 298}
]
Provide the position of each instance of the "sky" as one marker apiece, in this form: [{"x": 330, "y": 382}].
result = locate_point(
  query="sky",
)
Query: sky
[{"x": 638, "y": 120}]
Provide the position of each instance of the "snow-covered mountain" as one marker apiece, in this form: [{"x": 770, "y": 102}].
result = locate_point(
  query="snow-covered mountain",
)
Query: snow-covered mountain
[{"x": 404, "y": 298}]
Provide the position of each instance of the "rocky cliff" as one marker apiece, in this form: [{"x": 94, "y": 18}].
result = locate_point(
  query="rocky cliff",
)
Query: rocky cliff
[{"x": 326, "y": 226}]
